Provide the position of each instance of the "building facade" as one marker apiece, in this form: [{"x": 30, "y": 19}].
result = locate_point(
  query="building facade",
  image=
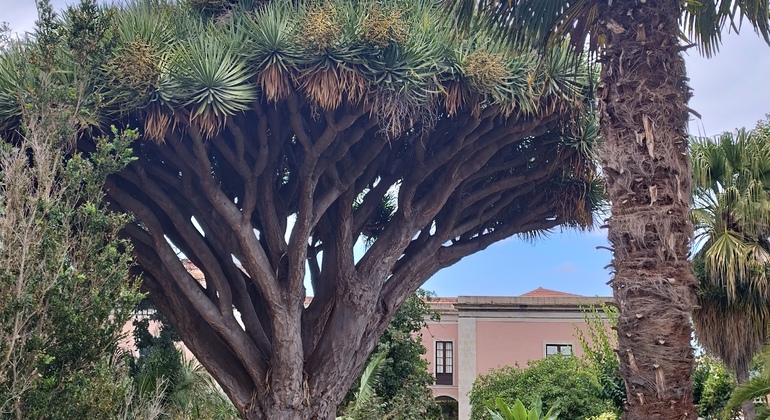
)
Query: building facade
[{"x": 479, "y": 333}]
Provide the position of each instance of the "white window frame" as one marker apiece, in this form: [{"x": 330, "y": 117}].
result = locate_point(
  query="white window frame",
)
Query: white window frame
[{"x": 454, "y": 359}]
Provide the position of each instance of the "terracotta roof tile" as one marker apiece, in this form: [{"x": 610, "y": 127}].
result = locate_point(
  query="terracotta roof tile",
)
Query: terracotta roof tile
[{"x": 541, "y": 292}]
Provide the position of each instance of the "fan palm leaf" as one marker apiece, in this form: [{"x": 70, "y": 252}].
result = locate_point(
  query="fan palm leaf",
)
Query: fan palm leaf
[{"x": 579, "y": 20}]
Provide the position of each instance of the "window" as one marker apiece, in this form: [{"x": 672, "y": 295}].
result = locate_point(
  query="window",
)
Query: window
[
  {"x": 444, "y": 362},
  {"x": 563, "y": 349}
]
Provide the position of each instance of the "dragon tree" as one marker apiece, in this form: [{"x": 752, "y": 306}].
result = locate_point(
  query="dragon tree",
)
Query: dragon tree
[{"x": 277, "y": 138}]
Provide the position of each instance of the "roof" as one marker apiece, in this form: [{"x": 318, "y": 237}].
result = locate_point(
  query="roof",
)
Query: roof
[
  {"x": 541, "y": 292},
  {"x": 442, "y": 300}
]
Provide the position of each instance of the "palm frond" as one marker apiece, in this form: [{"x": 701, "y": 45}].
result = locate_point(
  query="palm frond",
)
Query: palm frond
[
  {"x": 748, "y": 391},
  {"x": 369, "y": 378},
  {"x": 549, "y": 22}
]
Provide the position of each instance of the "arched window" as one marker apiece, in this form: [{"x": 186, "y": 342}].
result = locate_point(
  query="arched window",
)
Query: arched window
[{"x": 449, "y": 410}]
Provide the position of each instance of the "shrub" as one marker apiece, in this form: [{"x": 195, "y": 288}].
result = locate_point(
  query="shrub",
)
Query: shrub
[{"x": 566, "y": 383}]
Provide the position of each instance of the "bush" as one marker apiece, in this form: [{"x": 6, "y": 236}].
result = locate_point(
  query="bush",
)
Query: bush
[
  {"x": 566, "y": 383},
  {"x": 712, "y": 386}
]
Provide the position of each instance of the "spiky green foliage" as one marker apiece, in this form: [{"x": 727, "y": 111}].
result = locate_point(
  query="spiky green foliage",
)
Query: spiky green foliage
[
  {"x": 500, "y": 410},
  {"x": 400, "y": 56}
]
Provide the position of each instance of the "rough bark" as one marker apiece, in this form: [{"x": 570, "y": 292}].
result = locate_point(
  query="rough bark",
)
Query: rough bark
[
  {"x": 463, "y": 183},
  {"x": 643, "y": 112}
]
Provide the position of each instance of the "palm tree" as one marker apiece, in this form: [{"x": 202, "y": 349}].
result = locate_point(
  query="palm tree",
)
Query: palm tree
[
  {"x": 643, "y": 96},
  {"x": 732, "y": 216}
]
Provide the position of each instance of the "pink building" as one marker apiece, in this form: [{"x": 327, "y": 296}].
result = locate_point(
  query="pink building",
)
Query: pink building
[{"x": 479, "y": 333}]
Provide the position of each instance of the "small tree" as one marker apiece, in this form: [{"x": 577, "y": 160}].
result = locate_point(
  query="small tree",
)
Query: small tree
[
  {"x": 5, "y": 35},
  {"x": 64, "y": 289}
]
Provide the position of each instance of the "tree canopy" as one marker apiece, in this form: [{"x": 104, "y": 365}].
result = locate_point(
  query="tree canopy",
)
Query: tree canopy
[{"x": 272, "y": 138}]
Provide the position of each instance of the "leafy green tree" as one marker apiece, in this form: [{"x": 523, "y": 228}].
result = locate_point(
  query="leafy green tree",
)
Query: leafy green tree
[
  {"x": 712, "y": 386},
  {"x": 65, "y": 288},
  {"x": 262, "y": 124},
  {"x": 731, "y": 210},
  {"x": 643, "y": 96},
  {"x": 566, "y": 383}
]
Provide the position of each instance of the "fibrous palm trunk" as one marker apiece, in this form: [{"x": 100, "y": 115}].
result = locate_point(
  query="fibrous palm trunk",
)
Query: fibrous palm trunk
[
  {"x": 643, "y": 105},
  {"x": 747, "y": 408}
]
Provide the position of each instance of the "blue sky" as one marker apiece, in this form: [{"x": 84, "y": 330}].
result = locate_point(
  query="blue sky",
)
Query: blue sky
[
  {"x": 731, "y": 90},
  {"x": 566, "y": 261}
]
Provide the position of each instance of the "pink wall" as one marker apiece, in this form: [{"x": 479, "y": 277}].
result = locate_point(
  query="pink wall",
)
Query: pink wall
[{"x": 501, "y": 343}]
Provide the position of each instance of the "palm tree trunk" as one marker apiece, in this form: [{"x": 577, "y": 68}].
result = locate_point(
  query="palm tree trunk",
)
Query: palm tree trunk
[
  {"x": 747, "y": 408},
  {"x": 643, "y": 104}
]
